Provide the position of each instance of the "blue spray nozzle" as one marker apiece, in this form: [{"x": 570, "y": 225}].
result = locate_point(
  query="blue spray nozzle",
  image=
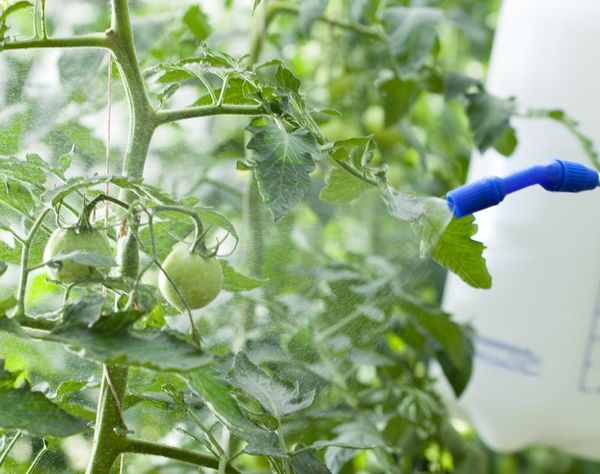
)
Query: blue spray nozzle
[{"x": 558, "y": 176}]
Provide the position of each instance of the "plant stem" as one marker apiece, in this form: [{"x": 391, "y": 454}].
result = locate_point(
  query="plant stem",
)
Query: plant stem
[
  {"x": 10, "y": 445},
  {"x": 37, "y": 459},
  {"x": 184, "y": 455},
  {"x": 166, "y": 116},
  {"x": 108, "y": 441},
  {"x": 94, "y": 40},
  {"x": 107, "y": 445},
  {"x": 20, "y": 313}
]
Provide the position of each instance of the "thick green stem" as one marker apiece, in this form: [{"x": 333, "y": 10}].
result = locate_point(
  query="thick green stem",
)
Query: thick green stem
[
  {"x": 184, "y": 455},
  {"x": 95, "y": 40},
  {"x": 108, "y": 437},
  {"x": 109, "y": 434},
  {"x": 166, "y": 116}
]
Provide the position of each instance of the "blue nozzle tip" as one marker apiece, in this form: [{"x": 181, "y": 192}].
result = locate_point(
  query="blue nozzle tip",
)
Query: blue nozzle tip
[{"x": 475, "y": 196}]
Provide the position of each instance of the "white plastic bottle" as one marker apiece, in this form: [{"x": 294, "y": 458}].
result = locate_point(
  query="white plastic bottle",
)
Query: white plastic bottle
[{"x": 536, "y": 378}]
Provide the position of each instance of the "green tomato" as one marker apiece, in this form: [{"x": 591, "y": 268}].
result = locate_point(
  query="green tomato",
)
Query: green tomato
[
  {"x": 198, "y": 279},
  {"x": 70, "y": 240}
]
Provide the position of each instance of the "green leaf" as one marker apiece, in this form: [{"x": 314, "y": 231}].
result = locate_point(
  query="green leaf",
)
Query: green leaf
[
  {"x": 234, "y": 281},
  {"x": 284, "y": 161},
  {"x": 310, "y": 11},
  {"x": 405, "y": 207},
  {"x": 450, "y": 341},
  {"x": 108, "y": 339},
  {"x": 13, "y": 126},
  {"x": 456, "y": 84},
  {"x": 449, "y": 242},
  {"x": 351, "y": 436},
  {"x": 489, "y": 118},
  {"x": 286, "y": 79},
  {"x": 342, "y": 187},
  {"x": 276, "y": 397},
  {"x": 507, "y": 143},
  {"x": 84, "y": 311},
  {"x": 456, "y": 251},
  {"x": 399, "y": 97},
  {"x": 31, "y": 412},
  {"x": 9, "y": 254},
  {"x": 216, "y": 392},
  {"x": 86, "y": 143},
  {"x": 305, "y": 462},
  {"x": 84, "y": 257},
  {"x": 197, "y": 21},
  {"x": 413, "y": 33},
  {"x": 420, "y": 407}
]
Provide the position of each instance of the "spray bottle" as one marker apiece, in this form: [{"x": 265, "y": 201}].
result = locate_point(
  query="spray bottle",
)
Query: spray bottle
[{"x": 536, "y": 378}]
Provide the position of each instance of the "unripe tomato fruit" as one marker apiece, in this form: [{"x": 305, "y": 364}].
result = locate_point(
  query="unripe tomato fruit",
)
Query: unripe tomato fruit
[
  {"x": 70, "y": 240},
  {"x": 198, "y": 279}
]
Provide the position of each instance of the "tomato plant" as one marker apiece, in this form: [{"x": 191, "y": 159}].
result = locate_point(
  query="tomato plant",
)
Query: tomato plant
[{"x": 254, "y": 277}]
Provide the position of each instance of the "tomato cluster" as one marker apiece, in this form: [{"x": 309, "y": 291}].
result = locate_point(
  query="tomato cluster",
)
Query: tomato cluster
[{"x": 187, "y": 280}]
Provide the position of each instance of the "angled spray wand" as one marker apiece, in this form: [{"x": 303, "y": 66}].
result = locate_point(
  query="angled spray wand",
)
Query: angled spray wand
[{"x": 557, "y": 176}]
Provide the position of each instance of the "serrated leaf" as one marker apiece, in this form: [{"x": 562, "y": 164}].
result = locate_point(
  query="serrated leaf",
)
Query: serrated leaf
[
  {"x": 342, "y": 187},
  {"x": 284, "y": 161},
  {"x": 351, "y": 437},
  {"x": 449, "y": 242},
  {"x": 399, "y": 98},
  {"x": 305, "y": 462},
  {"x": 84, "y": 311},
  {"x": 456, "y": 84},
  {"x": 197, "y": 21},
  {"x": 31, "y": 412},
  {"x": 419, "y": 407},
  {"x": 412, "y": 32},
  {"x": 234, "y": 281},
  {"x": 489, "y": 118},
  {"x": 450, "y": 341},
  {"x": 286, "y": 79},
  {"x": 108, "y": 339},
  {"x": 276, "y": 397},
  {"x": 216, "y": 392},
  {"x": 86, "y": 143},
  {"x": 456, "y": 251}
]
